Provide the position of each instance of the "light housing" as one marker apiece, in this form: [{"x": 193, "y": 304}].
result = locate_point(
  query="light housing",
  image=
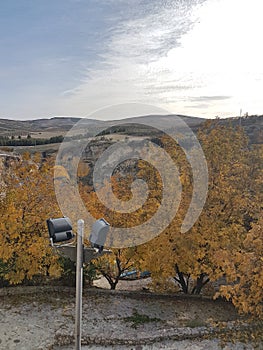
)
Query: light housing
[
  {"x": 60, "y": 230},
  {"x": 98, "y": 235}
]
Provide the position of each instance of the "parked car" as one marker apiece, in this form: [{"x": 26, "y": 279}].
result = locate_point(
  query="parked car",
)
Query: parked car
[{"x": 134, "y": 275}]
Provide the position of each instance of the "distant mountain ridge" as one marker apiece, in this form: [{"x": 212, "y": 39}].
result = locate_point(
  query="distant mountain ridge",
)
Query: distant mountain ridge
[
  {"x": 9, "y": 125},
  {"x": 66, "y": 123},
  {"x": 253, "y": 125}
]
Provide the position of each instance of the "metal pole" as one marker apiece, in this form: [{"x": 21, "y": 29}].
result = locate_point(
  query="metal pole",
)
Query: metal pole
[{"x": 79, "y": 284}]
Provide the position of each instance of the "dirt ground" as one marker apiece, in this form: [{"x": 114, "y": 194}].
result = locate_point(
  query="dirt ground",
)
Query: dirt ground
[
  {"x": 131, "y": 285},
  {"x": 43, "y": 319},
  {"x": 173, "y": 345}
]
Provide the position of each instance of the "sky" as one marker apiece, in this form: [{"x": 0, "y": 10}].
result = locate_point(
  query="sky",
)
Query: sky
[{"x": 198, "y": 58}]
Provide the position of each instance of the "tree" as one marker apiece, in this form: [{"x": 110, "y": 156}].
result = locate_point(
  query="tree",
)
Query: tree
[
  {"x": 27, "y": 200},
  {"x": 113, "y": 266},
  {"x": 247, "y": 293},
  {"x": 233, "y": 203},
  {"x": 123, "y": 259},
  {"x": 221, "y": 242},
  {"x": 228, "y": 212}
]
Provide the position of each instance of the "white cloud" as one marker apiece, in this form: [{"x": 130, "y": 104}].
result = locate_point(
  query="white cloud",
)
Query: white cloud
[
  {"x": 163, "y": 59},
  {"x": 125, "y": 75}
]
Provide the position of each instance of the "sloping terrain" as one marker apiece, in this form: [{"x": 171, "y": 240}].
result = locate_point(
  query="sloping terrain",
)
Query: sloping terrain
[
  {"x": 10, "y": 127},
  {"x": 253, "y": 125},
  {"x": 40, "y": 318}
]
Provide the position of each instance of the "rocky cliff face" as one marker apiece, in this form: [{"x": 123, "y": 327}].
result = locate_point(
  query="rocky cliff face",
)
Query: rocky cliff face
[
  {"x": 112, "y": 157},
  {"x": 95, "y": 149}
]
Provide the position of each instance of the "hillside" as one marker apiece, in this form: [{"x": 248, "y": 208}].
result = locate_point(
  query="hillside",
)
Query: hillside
[
  {"x": 253, "y": 126},
  {"x": 46, "y": 128},
  {"x": 9, "y": 127}
]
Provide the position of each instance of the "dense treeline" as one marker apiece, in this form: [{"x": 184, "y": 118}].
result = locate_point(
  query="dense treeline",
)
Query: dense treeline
[
  {"x": 225, "y": 244},
  {"x": 29, "y": 141}
]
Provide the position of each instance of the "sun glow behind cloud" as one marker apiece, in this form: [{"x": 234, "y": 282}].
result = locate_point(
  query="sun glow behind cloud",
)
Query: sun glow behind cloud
[
  {"x": 213, "y": 68},
  {"x": 221, "y": 56}
]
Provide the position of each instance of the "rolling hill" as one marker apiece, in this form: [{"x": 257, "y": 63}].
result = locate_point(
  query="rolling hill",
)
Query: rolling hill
[{"x": 44, "y": 128}]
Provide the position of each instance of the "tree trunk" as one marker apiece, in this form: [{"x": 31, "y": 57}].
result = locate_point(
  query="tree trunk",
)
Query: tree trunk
[
  {"x": 112, "y": 283},
  {"x": 113, "y": 286},
  {"x": 181, "y": 280},
  {"x": 200, "y": 283}
]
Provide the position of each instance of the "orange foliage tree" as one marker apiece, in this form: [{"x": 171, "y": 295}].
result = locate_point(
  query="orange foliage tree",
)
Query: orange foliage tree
[
  {"x": 27, "y": 200},
  {"x": 247, "y": 293},
  {"x": 213, "y": 247},
  {"x": 225, "y": 240},
  {"x": 112, "y": 266}
]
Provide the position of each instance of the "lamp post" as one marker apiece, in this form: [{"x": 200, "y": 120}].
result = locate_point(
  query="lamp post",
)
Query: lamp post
[
  {"x": 79, "y": 284},
  {"x": 60, "y": 230}
]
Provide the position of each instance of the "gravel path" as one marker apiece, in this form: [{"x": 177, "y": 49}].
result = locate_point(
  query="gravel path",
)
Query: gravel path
[
  {"x": 172, "y": 345},
  {"x": 45, "y": 321}
]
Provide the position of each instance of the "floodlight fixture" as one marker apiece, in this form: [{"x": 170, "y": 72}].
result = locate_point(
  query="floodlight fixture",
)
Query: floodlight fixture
[
  {"x": 60, "y": 230},
  {"x": 98, "y": 235}
]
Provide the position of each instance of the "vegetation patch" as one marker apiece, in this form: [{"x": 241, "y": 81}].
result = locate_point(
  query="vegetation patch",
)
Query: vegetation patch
[
  {"x": 195, "y": 323},
  {"x": 138, "y": 319}
]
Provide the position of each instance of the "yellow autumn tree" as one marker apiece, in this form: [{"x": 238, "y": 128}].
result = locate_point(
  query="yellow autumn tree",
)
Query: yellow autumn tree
[
  {"x": 121, "y": 260},
  {"x": 202, "y": 252},
  {"x": 221, "y": 236},
  {"x": 233, "y": 203},
  {"x": 222, "y": 225},
  {"x": 247, "y": 293},
  {"x": 246, "y": 261},
  {"x": 114, "y": 265},
  {"x": 27, "y": 200}
]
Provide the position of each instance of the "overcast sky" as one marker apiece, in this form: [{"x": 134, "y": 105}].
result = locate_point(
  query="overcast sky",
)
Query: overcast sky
[{"x": 71, "y": 57}]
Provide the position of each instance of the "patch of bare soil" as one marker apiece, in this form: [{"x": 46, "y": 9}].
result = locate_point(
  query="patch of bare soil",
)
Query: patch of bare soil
[{"x": 44, "y": 319}]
